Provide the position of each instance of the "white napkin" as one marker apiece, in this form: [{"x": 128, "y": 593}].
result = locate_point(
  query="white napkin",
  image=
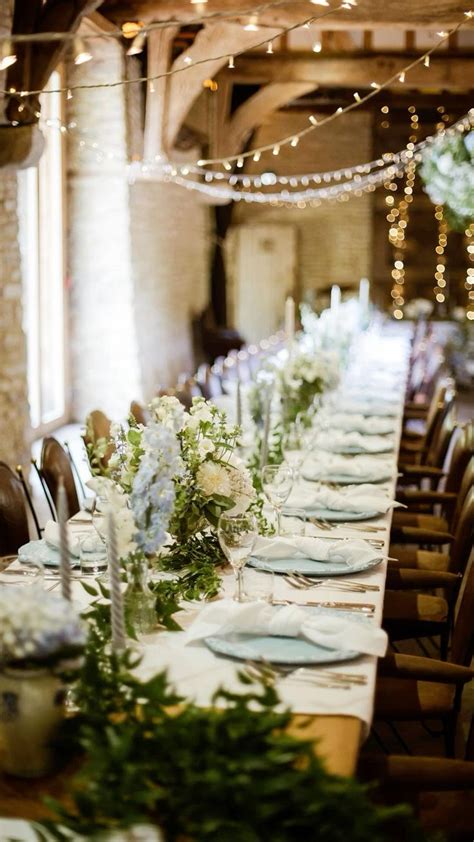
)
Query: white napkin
[
  {"x": 51, "y": 536},
  {"x": 367, "y": 406},
  {"x": 358, "y": 499},
  {"x": 337, "y": 441},
  {"x": 324, "y": 465},
  {"x": 317, "y": 549},
  {"x": 332, "y": 632},
  {"x": 355, "y": 422}
]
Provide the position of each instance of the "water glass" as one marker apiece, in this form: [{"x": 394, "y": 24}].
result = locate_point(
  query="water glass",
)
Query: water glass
[
  {"x": 258, "y": 585},
  {"x": 277, "y": 482},
  {"x": 93, "y": 556},
  {"x": 294, "y": 525},
  {"x": 21, "y": 571},
  {"x": 237, "y": 536}
]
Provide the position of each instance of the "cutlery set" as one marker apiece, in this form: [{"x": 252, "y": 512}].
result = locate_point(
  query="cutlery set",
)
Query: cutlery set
[
  {"x": 257, "y": 670},
  {"x": 330, "y": 525},
  {"x": 367, "y": 608},
  {"x": 298, "y": 580}
]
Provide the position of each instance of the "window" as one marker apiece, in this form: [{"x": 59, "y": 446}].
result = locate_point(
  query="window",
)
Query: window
[{"x": 41, "y": 218}]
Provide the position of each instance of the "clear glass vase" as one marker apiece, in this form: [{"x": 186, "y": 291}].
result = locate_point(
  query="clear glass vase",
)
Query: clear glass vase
[{"x": 139, "y": 602}]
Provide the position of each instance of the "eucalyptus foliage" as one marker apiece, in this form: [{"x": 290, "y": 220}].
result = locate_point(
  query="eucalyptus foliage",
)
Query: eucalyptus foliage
[{"x": 231, "y": 773}]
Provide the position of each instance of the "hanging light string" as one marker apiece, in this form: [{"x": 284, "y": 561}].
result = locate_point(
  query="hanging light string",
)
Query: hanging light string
[
  {"x": 398, "y": 217},
  {"x": 440, "y": 281},
  {"x": 186, "y": 66},
  {"x": 469, "y": 283},
  {"x": 33, "y": 37},
  {"x": 315, "y": 123}
]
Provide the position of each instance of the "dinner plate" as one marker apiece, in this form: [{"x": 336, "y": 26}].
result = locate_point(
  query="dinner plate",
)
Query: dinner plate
[
  {"x": 40, "y": 551},
  {"x": 354, "y": 450},
  {"x": 280, "y": 650},
  {"x": 310, "y": 567},
  {"x": 333, "y": 514}
]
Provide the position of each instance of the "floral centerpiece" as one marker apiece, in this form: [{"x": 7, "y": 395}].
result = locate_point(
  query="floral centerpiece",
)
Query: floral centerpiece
[
  {"x": 447, "y": 171},
  {"x": 40, "y": 638},
  {"x": 302, "y": 377}
]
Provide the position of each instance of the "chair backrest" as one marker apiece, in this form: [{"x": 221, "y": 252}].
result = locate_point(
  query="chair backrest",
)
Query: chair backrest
[
  {"x": 209, "y": 383},
  {"x": 463, "y": 633},
  {"x": 439, "y": 434},
  {"x": 139, "y": 413},
  {"x": 13, "y": 516},
  {"x": 461, "y": 454},
  {"x": 55, "y": 465},
  {"x": 460, "y": 549},
  {"x": 187, "y": 391},
  {"x": 98, "y": 427}
]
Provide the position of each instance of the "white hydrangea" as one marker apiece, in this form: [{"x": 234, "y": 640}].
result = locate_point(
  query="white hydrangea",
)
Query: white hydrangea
[
  {"x": 116, "y": 501},
  {"x": 170, "y": 411},
  {"x": 213, "y": 478},
  {"x": 36, "y": 625}
]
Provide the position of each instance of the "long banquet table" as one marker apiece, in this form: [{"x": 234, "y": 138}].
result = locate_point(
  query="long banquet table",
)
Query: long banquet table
[{"x": 336, "y": 721}]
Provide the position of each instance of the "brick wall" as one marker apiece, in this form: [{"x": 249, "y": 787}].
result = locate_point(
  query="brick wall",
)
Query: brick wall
[
  {"x": 14, "y": 411},
  {"x": 334, "y": 240}
]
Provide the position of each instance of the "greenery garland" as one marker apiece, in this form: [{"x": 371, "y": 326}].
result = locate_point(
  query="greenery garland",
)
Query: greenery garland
[
  {"x": 231, "y": 774},
  {"x": 447, "y": 171}
]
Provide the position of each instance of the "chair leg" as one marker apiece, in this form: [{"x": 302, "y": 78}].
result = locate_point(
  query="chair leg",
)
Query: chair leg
[
  {"x": 450, "y": 723},
  {"x": 444, "y": 642}
]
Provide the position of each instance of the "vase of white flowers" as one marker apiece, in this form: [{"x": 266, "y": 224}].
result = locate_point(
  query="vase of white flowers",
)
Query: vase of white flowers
[{"x": 40, "y": 638}]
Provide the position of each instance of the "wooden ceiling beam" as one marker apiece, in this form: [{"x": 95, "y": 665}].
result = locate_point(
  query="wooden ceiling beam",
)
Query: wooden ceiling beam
[
  {"x": 453, "y": 73},
  {"x": 36, "y": 62}
]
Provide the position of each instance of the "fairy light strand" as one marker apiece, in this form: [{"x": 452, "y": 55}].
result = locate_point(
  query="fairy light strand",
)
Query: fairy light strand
[
  {"x": 439, "y": 289},
  {"x": 469, "y": 283}
]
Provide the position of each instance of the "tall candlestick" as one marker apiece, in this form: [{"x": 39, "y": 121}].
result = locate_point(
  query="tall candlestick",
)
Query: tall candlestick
[
  {"x": 290, "y": 322},
  {"x": 364, "y": 295},
  {"x": 64, "y": 557},
  {"x": 239, "y": 403},
  {"x": 266, "y": 427},
  {"x": 335, "y": 299},
  {"x": 116, "y": 597}
]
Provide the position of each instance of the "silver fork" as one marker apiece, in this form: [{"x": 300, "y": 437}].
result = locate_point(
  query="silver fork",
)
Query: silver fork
[
  {"x": 309, "y": 582},
  {"x": 256, "y": 674},
  {"x": 330, "y": 525},
  {"x": 266, "y": 668},
  {"x": 304, "y": 584}
]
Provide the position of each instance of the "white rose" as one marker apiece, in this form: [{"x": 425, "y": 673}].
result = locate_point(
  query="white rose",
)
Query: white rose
[{"x": 213, "y": 478}]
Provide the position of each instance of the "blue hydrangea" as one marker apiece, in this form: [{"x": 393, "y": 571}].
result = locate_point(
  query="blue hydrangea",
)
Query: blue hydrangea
[{"x": 153, "y": 490}]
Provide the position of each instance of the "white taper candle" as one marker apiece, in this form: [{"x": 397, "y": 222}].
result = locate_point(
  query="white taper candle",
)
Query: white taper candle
[
  {"x": 116, "y": 597},
  {"x": 335, "y": 299},
  {"x": 64, "y": 557},
  {"x": 239, "y": 403},
  {"x": 290, "y": 323}
]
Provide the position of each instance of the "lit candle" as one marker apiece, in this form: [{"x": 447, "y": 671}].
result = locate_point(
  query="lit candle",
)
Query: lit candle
[
  {"x": 266, "y": 427},
  {"x": 335, "y": 299},
  {"x": 64, "y": 557},
  {"x": 116, "y": 597},
  {"x": 290, "y": 322},
  {"x": 239, "y": 403}
]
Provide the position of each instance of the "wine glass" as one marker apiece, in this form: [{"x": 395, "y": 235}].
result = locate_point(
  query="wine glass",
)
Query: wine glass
[
  {"x": 237, "y": 535},
  {"x": 294, "y": 450},
  {"x": 277, "y": 482}
]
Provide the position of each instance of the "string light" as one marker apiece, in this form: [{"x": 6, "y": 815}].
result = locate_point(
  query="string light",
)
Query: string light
[
  {"x": 252, "y": 25},
  {"x": 270, "y": 49},
  {"x": 137, "y": 45},
  {"x": 7, "y": 55},
  {"x": 317, "y": 47},
  {"x": 231, "y": 64},
  {"x": 440, "y": 280},
  {"x": 81, "y": 53}
]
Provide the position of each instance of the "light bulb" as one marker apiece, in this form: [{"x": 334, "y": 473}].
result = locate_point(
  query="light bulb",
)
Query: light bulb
[
  {"x": 252, "y": 25},
  {"x": 317, "y": 47},
  {"x": 270, "y": 48},
  {"x": 81, "y": 53},
  {"x": 7, "y": 56},
  {"x": 402, "y": 77},
  {"x": 427, "y": 61},
  {"x": 136, "y": 46},
  {"x": 231, "y": 64}
]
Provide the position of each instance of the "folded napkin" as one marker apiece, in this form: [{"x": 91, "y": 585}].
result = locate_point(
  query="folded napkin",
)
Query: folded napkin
[
  {"x": 366, "y": 406},
  {"x": 325, "y": 465},
  {"x": 316, "y": 549},
  {"x": 91, "y": 542},
  {"x": 331, "y": 632},
  {"x": 357, "y": 499},
  {"x": 356, "y": 422},
  {"x": 338, "y": 441}
]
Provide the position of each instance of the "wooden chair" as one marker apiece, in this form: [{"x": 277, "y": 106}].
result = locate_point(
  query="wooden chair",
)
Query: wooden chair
[
  {"x": 417, "y": 615},
  {"x": 187, "y": 391},
  {"x": 14, "y": 530},
  {"x": 441, "y": 790},
  {"x": 139, "y": 413},
  {"x": 429, "y": 445},
  {"x": 55, "y": 465},
  {"x": 421, "y": 503},
  {"x": 98, "y": 429},
  {"x": 209, "y": 383},
  {"x": 418, "y": 689}
]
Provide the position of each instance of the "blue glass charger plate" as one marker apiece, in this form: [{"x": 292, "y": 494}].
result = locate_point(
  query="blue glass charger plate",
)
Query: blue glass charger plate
[
  {"x": 353, "y": 450},
  {"x": 40, "y": 551},
  {"x": 310, "y": 567},
  {"x": 333, "y": 514}
]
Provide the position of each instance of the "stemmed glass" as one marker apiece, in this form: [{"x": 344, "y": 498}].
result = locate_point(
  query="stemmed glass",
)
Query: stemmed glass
[
  {"x": 294, "y": 449},
  {"x": 237, "y": 535},
  {"x": 277, "y": 482}
]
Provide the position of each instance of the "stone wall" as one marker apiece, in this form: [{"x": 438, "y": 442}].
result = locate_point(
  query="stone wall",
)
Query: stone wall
[{"x": 14, "y": 411}]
